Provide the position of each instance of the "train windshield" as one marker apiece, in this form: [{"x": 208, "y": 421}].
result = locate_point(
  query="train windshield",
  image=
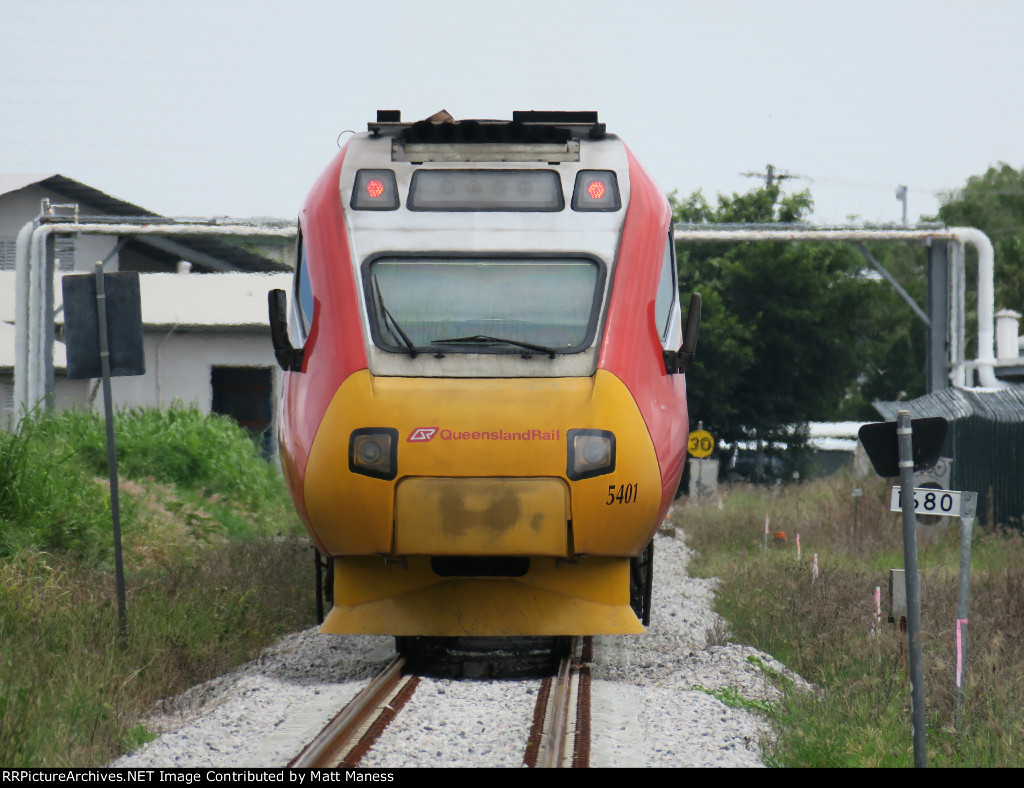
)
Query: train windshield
[{"x": 483, "y": 305}]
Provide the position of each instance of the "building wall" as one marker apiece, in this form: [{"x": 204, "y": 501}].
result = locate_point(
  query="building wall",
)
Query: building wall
[
  {"x": 67, "y": 394},
  {"x": 178, "y": 370},
  {"x": 178, "y": 364}
]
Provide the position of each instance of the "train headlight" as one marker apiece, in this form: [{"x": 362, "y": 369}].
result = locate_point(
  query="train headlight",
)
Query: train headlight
[
  {"x": 590, "y": 453},
  {"x": 373, "y": 451}
]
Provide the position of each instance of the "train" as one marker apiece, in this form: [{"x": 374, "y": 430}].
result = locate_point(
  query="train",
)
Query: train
[{"x": 482, "y": 418}]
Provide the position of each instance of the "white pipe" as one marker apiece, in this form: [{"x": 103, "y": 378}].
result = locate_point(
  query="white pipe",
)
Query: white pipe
[
  {"x": 685, "y": 232},
  {"x": 33, "y": 359},
  {"x": 127, "y": 228},
  {"x": 21, "y": 318},
  {"x": 986, "y": 360},
  {"x": 38, "y": 363}
]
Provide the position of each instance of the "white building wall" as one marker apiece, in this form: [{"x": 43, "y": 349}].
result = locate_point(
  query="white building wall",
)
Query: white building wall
[
  {"x": 178, "y": 364},
  {"x": 68, "y": 394}
]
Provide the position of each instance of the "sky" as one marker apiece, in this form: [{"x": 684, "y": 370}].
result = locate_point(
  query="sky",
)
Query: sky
[{"x": 217, "y": 108}]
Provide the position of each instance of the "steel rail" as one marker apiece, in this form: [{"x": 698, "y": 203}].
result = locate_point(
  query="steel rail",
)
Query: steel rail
[
  {"x": 552, "y": 753},
  {"x": 331, "y": 745}
]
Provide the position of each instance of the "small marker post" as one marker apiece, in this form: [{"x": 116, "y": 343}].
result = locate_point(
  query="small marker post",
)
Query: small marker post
[{"x": 963, "y": 601}]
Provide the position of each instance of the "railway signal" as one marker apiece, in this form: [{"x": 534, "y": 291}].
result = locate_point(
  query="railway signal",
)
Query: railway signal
[
  {"x": 893, "y": 450},
  {"x": 103, "y": 328},
  {"x": 904, "y": 447}
]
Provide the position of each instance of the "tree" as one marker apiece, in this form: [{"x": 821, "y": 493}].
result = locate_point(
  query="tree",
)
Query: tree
[
  {"x": 790, "y": 331},
  {"x": 994, "y": 203}
]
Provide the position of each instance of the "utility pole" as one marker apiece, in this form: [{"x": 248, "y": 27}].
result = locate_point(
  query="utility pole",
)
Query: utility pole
[
  {"x": 771, "y": 175},
  {"x": 901, "y": 195}
]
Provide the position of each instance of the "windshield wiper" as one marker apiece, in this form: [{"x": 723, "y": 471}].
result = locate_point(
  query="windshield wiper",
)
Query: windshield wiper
[
  {"x": 482, "y": 339},
  {"x": 394, "y": 323}
]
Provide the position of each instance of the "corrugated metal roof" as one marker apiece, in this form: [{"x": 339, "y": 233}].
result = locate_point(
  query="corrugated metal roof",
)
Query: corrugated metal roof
[
  {"x": 12, "y": 182},
  {"x": 1006, "y": 405},
  {"x": 74, "y": 190}
]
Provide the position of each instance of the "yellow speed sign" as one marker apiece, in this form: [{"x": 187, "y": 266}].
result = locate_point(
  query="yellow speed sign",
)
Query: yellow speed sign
[{"x": 701, "y": 443}]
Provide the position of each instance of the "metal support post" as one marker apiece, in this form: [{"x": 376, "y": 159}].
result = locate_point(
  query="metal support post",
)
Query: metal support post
[
  {"x": 937, "y": 351},
  {"x": 108, "y": 411},
  {"x": 906, "y": 465}
]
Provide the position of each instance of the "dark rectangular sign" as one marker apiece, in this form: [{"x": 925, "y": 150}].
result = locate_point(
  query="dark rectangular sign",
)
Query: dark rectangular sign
[
  {"x": 879, "y": 440},
  {"x": 124, "y": 325}
]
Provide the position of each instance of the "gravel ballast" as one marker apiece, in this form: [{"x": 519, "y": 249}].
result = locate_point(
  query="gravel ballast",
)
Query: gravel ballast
[{"x": 651, "y": 698}]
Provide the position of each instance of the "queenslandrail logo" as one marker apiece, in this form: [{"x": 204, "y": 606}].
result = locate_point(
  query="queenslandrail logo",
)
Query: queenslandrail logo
[{"x": 424, "y": 434}]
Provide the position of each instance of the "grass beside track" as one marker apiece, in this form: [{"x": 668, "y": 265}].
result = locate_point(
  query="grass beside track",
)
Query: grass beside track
[
  {"x": 822, "y": 628},
  {"x": 215, "y": 567}
]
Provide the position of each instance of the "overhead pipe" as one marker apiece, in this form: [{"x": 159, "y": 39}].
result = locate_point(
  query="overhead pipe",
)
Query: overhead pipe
[
  {"x": 33, "y": 357},
  {"x": 985, "y": 361},
  {"x": 34, "y": 289}
]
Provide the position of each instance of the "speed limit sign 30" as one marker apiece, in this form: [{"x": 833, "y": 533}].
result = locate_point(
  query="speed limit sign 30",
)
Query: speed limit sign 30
[{"x": 701, "y": 443}]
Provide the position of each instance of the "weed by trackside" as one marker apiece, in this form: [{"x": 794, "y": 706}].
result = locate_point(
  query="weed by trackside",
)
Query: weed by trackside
[
  {"x": 824, "y": 628},
  {"x": 214, "y": 563}
]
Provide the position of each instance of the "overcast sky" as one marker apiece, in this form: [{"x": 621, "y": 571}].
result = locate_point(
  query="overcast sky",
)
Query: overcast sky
[{"x": 208, "y": 107}]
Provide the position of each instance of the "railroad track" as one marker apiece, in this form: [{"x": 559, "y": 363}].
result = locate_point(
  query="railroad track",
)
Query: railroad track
[
  {"x": 347, "y": 737},
  {"x": 559, "y": 736}
]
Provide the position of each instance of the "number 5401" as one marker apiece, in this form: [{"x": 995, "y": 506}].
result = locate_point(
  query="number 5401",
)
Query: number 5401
[{"x": 623, "y": 493}]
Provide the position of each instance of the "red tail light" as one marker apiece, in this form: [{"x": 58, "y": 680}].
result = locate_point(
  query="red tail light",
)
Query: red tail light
[
  {"x": 596, "y": 190},
  {"x": 375, "y": 190}
]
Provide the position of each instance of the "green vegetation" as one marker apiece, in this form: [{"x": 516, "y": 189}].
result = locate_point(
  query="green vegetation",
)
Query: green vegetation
[
  {"x": 731, "y": 696},
  {"x": 214, "y": 564},
  {"x": 824, "y": 629},
  {"x": 994, "y": 203}
]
